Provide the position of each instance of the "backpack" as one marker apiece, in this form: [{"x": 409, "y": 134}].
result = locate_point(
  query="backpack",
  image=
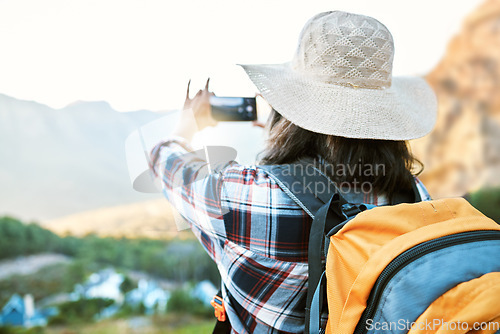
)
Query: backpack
[{"x": 410, "y": 267}]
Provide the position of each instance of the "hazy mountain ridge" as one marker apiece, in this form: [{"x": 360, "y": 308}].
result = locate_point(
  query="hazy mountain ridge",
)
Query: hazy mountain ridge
[{"x": 49, "y": 157}]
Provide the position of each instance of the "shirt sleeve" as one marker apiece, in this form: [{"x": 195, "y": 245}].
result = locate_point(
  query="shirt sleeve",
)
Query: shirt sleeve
[{"x": 193, "y": 188}]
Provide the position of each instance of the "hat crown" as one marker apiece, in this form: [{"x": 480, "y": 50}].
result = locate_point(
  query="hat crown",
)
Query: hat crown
[{"x": 346, "y": 49}]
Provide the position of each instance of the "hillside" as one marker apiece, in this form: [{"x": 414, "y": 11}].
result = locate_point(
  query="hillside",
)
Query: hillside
[
  {"x": 173, "y": 259},
  {"x": 34, "y": 260},
  {"x": 151, "y": 219},
  {"x": 462, "y": 154}
]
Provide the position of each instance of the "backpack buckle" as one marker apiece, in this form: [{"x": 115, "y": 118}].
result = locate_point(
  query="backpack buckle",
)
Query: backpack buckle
[
  {"x": 219, "y": 309},
  {"x": 350, "y": 210}
]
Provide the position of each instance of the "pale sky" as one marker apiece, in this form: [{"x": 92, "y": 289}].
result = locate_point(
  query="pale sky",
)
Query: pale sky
[{"x": 139, "y": 54}]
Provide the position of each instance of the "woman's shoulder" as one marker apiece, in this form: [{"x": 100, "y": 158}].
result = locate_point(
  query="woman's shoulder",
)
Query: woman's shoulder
[{"x": 247, "y": 174}]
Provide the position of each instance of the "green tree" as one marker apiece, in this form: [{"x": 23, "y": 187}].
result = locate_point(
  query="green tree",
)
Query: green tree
[
  {"x": 127, "y": 285},
  {"x": 488, "y": 202},
  {"x": 181, "y": 301}
]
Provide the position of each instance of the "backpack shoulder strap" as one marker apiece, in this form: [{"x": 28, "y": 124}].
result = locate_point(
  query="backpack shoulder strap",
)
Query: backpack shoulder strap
[
  {"x": 222, "y": 326},
  {"x": 314, "y": 192},
  {"x": 306, "y": 184}
]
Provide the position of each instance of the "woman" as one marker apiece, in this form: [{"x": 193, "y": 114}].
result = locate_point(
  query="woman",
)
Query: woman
[{"x": 337, "y": 103}]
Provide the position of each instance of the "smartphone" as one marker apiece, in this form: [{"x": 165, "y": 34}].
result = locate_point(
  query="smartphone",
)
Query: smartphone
[{"x": 233, "y": 109}]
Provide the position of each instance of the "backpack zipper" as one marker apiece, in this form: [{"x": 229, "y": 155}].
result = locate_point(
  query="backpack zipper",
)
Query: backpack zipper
[{"x": 411, "y": 255}]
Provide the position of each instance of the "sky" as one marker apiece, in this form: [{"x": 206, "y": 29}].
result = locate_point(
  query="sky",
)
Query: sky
[{"x": 140, "y": 54}]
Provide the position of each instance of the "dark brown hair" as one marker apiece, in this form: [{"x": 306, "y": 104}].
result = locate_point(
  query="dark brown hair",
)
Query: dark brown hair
[{"x": 391, "y": 162}]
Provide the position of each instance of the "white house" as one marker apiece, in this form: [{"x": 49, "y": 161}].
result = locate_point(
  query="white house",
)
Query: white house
[
  {"x": 150, "y": 295},
  {"x": 104, "y": 284}
]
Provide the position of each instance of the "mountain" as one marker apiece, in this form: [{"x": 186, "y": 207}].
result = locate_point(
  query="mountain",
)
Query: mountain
[
  {"x": 462, "y": 154},
  {"x": 55, "y": 162}
]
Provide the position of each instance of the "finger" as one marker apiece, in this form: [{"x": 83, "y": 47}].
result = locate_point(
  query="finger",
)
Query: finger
[
  {"x": 187, "y": 93},
  {"x": 199, "y": 93},
  {"x": 258, "y": 124},
  {"x": 206, "y": 85}
]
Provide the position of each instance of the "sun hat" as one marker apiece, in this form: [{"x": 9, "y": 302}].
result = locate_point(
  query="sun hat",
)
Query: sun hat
[{"x": 340, "y": 82}]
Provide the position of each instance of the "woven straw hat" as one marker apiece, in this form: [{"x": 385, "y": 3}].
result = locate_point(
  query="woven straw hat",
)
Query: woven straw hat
[{"x": 340, "y": 82}]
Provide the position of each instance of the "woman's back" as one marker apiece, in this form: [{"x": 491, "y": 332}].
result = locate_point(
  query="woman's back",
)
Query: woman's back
[{"x": 336, "y": 99}]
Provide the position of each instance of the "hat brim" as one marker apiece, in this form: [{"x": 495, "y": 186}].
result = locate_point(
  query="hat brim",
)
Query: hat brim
[{"x": 404, "y": 111}]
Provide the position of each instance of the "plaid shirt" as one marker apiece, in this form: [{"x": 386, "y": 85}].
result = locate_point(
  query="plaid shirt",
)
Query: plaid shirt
[{"x": 256, "y": 234}]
